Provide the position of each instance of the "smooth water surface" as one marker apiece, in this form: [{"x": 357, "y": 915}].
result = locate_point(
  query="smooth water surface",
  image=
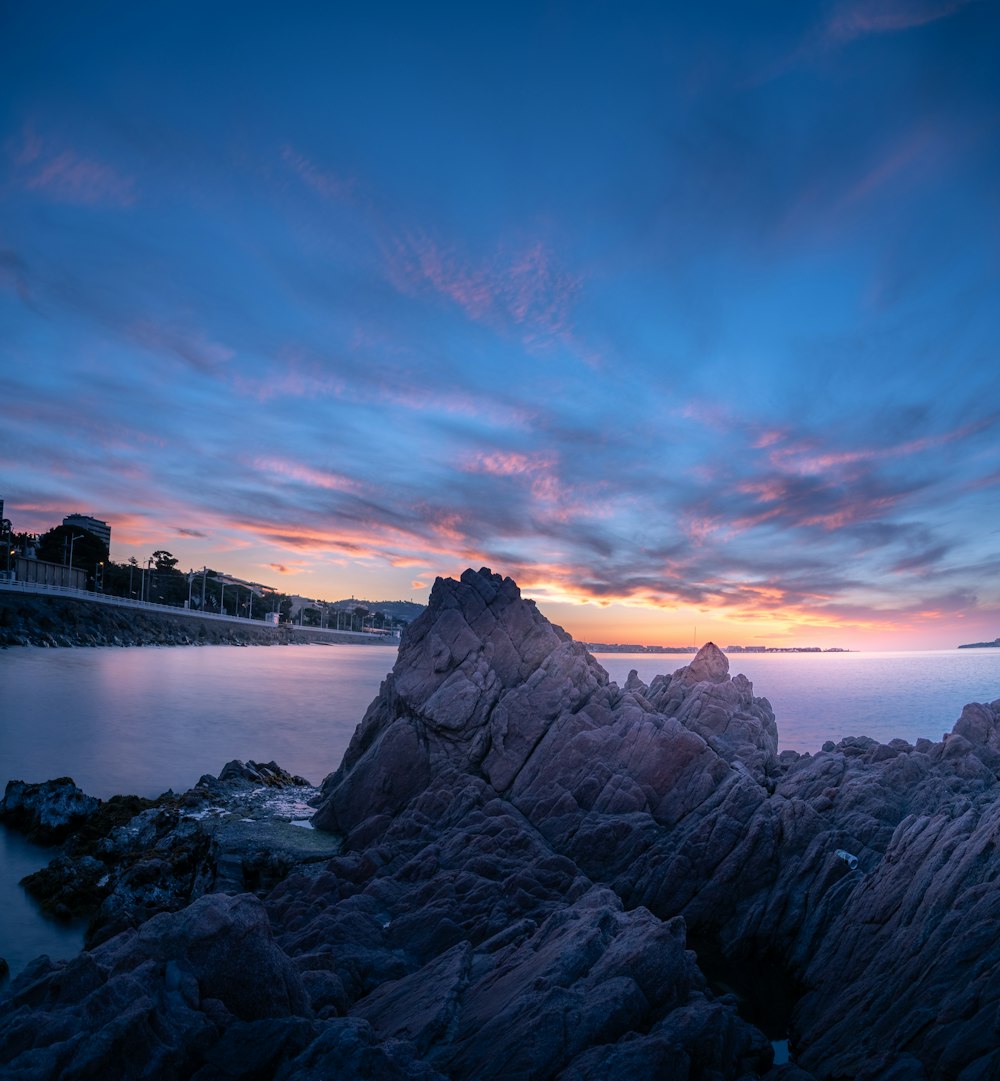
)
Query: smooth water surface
[
  {"x": 144, "y": 720},
  {"x": 826, "y": 696},
  {"x": 24, "y": 932}
]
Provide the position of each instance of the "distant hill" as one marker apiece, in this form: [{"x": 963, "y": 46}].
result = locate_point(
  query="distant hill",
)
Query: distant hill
[
  {"x": 982, "y": 645},
  {"x": 406, "y": 610}
]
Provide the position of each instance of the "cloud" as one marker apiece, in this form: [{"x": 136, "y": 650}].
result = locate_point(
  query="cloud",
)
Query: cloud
[
  {"x": 304, "y": 474},
  {"x": 325, "y": 183},
  {"x": 863, "y": 18},
  {"x": 14, "y": 275},
  {"x": 64, "y": 175},
  {"x": 519, "y": 289},
  {"x": 191, "y": 345}
]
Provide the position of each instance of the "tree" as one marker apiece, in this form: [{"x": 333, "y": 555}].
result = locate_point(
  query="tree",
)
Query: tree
[
  {"x": 87, "y": 549},
  {"x": 164, "y": 561},
  {"x": 168, "y": 585}
]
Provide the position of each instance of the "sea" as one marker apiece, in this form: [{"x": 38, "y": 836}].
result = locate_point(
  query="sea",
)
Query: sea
[{"x": 144, "y": 720}]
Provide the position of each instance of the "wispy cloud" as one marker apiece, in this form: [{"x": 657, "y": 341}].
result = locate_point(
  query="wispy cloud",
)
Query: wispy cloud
[
  {"x": 304, "y": 474},
  {"x": 191, "y": 345},
  {"x": 853, "y": 20},
  {"x": 64, "y": 175},
  {"x": 328, "y": 184},
  {"x": 517, "y": 289}
]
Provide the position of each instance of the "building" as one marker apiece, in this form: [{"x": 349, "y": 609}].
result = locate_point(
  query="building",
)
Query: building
[
  {"x": 91, "y": 525},
  {"x": 51, "y": 574}
]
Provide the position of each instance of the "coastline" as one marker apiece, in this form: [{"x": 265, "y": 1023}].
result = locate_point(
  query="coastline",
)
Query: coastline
[
  {"x": 63, "y": 622},
  {"x": 522, "y": 867}
]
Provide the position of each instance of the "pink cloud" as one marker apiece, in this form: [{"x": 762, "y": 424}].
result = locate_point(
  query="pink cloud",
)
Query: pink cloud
[
  {"x": 304, "y": 474},
  {"x": 507, "y": 463},
  {"x": 806, "y": 460},
  {"x": 327, "y": 184},
  {"x": 518, "y": 289},
  {"x": 66, "y": 176},
  {"x": 297, "y": 378}
]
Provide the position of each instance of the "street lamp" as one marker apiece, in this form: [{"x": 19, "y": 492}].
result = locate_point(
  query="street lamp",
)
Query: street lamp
[
  {"x": 72, "y": 539},
  {"x": 144, "y": 589}
]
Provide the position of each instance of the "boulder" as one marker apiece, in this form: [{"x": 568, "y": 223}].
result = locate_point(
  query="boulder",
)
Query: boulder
[{"x": 46, "y": 813}]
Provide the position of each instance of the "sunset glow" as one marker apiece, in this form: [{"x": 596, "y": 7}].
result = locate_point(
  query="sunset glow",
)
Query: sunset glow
[{"x": 687, "y": 322}]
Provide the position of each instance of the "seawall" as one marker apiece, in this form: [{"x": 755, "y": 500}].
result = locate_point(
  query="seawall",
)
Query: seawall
[{"x": 33, "y": 620}]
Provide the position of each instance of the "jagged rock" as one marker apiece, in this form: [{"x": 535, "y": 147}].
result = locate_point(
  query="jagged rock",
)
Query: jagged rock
[
  {"x": 48, "y": 812},
  {"x": 268, "y": 775},
  {"x": 526, "y": 849},
  {"x": 132, "y": 858},
  {"x": 150, "y": 1002}
]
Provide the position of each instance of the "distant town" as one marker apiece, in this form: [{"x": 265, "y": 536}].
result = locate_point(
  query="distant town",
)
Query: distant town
[
  {"x": 619, "y": 647},
  {"x": 76, "y": 555}
]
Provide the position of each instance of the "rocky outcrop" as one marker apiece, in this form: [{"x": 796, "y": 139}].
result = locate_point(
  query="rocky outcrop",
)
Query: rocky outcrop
[
  {"x": 535, "y": 873},
  {"x": 46, "y": 813},
  {"x": 149, "y": 1001},
  {"x": 126, "y": 859},
  {"x": 674, "y": 796}
]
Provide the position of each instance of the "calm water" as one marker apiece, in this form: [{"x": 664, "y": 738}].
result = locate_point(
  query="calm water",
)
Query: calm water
[
  {"x": 144, "y": 720},
  {"x": 821, "y": 696}
]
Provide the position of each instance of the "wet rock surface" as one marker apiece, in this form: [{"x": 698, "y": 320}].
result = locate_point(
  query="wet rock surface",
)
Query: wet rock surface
[
  {"x": 518, "y": 855},
  {"x": 130, "y": 858}
]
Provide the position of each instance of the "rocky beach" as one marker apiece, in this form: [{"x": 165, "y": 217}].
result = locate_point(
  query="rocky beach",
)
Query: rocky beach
[{"x": 523, "y": 870}]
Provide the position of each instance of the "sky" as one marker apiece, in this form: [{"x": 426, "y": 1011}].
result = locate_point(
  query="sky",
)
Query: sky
[{"x": 685, "y": 316}]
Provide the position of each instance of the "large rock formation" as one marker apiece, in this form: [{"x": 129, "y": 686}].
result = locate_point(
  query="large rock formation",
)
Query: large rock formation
[{"x": 528, "y": 852}]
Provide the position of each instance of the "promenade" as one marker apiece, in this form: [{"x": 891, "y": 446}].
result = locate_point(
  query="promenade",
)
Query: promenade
[{"x": 42, "y": 589}]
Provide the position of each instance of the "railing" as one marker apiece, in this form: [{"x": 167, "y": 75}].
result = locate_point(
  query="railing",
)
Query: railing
[{"x": 162, "y": 609}]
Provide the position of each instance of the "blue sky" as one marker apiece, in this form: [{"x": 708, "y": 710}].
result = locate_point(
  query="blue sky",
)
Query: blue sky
[{"x": 680, "y": 315}]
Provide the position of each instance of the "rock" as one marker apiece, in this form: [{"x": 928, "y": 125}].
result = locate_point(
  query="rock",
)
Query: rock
[
  {"x": 133, "y": 858},
  {"x": 150, "y": 1003},
  {"x": 269, "y": 775},
  {"x": 46, "y": 813},
  {"x": 523, "y": 850}
]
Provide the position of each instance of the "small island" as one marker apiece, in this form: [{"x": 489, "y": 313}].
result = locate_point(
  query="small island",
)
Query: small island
[{"x": 995, "y": 644}]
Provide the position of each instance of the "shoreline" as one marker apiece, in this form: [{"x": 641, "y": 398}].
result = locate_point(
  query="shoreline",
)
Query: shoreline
[
  {"x": 522, "y": 867},
  {"x": 68, "y": 622}
]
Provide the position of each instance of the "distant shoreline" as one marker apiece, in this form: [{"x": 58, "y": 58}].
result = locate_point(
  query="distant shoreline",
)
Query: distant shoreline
[{"x": 611, "y": 647}]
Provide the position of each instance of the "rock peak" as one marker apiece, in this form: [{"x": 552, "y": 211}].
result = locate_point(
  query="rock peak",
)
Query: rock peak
[{"x": 710, "y": 665}]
